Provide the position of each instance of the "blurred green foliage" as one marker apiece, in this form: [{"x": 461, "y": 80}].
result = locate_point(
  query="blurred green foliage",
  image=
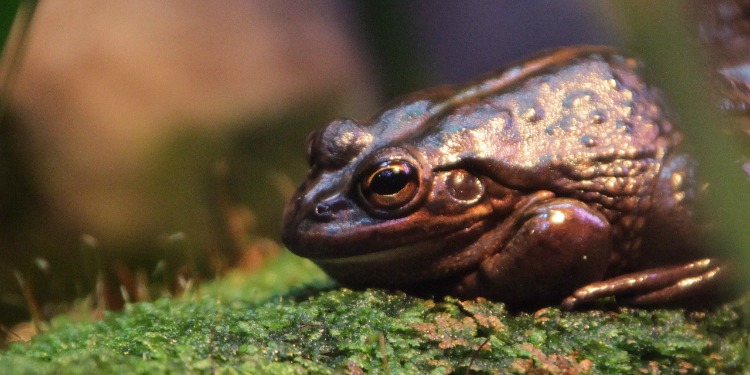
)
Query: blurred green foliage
[
  {"x": 657, "y": 33},
  {"x": 397, "y": 54}
]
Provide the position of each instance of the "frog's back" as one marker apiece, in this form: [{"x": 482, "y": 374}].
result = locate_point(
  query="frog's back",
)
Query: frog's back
[
  {"x": 571, "y": 120},
  {"x": 590, "y": 130}
]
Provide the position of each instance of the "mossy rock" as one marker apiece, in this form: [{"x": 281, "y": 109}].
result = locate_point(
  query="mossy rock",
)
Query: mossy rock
[{"x": 256, "y": 324}]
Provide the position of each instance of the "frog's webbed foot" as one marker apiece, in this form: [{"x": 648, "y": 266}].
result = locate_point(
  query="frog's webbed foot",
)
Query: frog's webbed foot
[{"x": 656, "y": 286}]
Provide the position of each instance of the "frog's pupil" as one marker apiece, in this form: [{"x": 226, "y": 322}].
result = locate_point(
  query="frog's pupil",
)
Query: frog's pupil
[{"x": 389, "y": 181}]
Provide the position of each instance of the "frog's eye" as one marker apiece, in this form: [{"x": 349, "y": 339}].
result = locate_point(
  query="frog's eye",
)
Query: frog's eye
[{"x": 391, "y": 184}]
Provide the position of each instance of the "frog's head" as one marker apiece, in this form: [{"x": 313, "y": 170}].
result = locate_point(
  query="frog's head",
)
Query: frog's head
[{"x": 374, "y": 197}]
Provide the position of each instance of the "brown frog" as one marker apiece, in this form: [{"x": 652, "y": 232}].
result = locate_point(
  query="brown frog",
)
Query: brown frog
[{"x": 557, "y": 180}]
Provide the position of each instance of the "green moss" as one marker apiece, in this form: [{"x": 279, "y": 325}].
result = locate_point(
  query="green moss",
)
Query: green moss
[{"x": 256, "y": 324}]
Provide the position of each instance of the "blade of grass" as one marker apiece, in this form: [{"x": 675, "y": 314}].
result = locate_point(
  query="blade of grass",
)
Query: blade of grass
[
  {"x": 8, "y": 10},
  {"x": 15, "y": 19}
]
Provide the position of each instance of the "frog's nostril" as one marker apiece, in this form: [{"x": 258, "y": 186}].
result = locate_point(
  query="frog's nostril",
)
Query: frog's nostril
[
  {"x": 323, "y": 212},
  {"x": 328, "y": 209}
]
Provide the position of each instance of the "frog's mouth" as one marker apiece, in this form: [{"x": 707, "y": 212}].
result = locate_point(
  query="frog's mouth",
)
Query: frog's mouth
[
  {"x": 357, "y": 241},
  {"x": 431, "y": 246},
  {"x": 437, "y": 257}
]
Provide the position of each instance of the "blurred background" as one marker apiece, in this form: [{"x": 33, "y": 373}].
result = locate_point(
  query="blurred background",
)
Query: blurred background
[{"x": 145, "y": 140}]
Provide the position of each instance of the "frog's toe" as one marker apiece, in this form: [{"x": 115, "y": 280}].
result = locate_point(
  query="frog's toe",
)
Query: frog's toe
[{"x": 656, "y": 286}]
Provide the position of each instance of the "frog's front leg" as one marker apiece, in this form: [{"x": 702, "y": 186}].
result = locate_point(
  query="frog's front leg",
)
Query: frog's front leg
[
  {"x": 656, "y": 286},
  {"x": 553, "y": 248}
]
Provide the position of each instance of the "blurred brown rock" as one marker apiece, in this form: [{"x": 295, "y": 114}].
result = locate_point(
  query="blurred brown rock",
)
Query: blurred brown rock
[{"x": 105, "y": 88}]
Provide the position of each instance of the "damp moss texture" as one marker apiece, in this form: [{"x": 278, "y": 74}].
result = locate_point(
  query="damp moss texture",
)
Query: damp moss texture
[{"x": 289, "y": 319}]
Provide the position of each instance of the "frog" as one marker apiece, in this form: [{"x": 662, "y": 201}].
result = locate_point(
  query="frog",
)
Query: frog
[{"x": 559, "y": 180}]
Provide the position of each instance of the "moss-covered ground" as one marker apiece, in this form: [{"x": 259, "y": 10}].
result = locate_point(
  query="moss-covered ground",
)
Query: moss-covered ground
[{"x": 289, "y": 319}]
